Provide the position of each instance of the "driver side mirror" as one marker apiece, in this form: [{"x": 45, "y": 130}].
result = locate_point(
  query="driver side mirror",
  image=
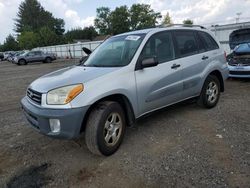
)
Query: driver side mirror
[{"x": 149, "y": 62}]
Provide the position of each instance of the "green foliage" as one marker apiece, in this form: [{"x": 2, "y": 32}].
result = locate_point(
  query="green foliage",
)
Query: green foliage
[
  {"x": 119, "y": 20},
  {"x": 102, "y": 21},
  {"x": 167, "y": 19},
  {"x": 81, "y": 34},
  {"x": 47, "y": 37},
  {"x": 122, "y": 19},
  {"x": 188, "y": 22},
  {"x": 143, "y": 16},
  {"x": 36, "y": 26},
  {"x": 59, "y": 26},
  {"x": 9, "y": 44},
  {"x": 28, "y": 40},
  {"x": 31, "y": 16}
]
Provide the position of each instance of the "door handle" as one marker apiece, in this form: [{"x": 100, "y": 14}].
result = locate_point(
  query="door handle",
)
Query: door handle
[
  {"x": 175, "y": 66},
  {"x": 204, "y": 57}
]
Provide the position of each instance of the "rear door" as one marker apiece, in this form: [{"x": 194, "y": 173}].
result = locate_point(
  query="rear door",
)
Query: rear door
[
  {"x": 39, "y": 56},
  {"x": 160, "y": 85},
  {"x": 193, "y": 59}
]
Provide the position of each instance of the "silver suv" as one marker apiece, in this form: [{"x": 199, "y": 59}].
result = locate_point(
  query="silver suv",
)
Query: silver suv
[
  {"x": 126, "y": 77},
  {"x": 34, "y": 56}
]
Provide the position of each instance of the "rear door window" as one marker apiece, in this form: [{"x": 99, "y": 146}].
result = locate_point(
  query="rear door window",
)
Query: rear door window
[
  {"x": 38, "y": 53},
  {"x": 186, "y": 43},
  {"x": 208, "y": 41}
]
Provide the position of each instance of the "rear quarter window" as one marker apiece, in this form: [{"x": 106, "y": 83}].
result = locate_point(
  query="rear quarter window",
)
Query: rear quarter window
[{"x": 208, "y": 41}]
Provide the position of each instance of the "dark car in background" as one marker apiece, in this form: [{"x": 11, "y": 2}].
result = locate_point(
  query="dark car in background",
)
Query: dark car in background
[
  {"x": 239, "y": 59},
  {"x": 1, "y": 56},
  {"x": 34, "y": 56}
]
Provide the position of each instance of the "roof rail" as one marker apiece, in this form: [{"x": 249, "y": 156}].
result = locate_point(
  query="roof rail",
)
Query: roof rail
[{"x": 182, "y": 25}]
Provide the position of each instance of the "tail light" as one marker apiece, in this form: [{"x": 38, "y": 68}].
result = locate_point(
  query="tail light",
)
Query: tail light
[{"x": 225, "y": 55}]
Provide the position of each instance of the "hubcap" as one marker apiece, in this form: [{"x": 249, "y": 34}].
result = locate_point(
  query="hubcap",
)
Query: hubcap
[
  {"x": 112, "y": 129},
  {"x": 212, "y": 92}
]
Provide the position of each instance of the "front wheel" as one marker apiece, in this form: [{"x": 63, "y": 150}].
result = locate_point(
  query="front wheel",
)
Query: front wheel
[
  {"x": 210, "y": 93},
  {"x": 22, "y": 62},
  {"x": 105, "y": 128}
]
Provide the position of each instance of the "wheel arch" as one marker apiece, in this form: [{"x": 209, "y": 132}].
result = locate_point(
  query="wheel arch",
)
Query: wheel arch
[
  {"x": 22, "y": 59},
  {"x": 220, "y": 78},
  {"x": 122, "y": 100}
]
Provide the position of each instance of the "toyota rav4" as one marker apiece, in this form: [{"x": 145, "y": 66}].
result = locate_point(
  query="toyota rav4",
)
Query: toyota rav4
[{"x": 126, "y": 77}]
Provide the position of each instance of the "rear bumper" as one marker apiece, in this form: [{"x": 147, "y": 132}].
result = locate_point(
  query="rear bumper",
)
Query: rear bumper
[
  {"x": 239, "y": 72},
  {"x": 70, "y": 119}
]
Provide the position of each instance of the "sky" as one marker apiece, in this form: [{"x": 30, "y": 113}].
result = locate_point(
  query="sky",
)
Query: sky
[{"x": 81, "y": 13}]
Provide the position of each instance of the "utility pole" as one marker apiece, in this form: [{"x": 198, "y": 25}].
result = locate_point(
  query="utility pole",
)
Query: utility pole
[{"x": 238, "y": 17}]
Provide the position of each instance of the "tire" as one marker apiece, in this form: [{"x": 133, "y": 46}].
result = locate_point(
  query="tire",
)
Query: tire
[
  {"x": 22, "y": 62},
  {"x": 101, "y": 136},
  {"x": 48, "y": 60},
  {"x": 210, "y": 93}
]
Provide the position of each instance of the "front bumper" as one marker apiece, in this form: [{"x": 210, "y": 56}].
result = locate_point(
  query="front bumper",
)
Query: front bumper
[
  {"x": 239, "y": 71},
  {"x": 70, "y": 119}
]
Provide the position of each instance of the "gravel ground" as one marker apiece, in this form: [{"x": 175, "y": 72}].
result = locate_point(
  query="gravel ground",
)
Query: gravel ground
[{"x": 181, "y": 146}]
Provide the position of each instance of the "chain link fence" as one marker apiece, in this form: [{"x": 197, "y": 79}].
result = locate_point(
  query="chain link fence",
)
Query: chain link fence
[{"x": 70, "y": 50}]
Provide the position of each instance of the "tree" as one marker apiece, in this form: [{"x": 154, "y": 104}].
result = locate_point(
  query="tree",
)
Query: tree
[
  {"x": 188, "y": 22},
  {"x": 88, "y": 33},
  {"x": 119, "y": 20},
  {"x": 122, "y": 19},
  {"x": 142, "y": 16},
  {"x": 10, "y": 44},
  {"x": 47, "y": 37},
  {"x": 31, "y": 16},
  {"x": 167, "y": 19},
  {"x": 102, "y": 21},
  {"x": 59, "y": 26},
  {"x": 28, "y": 40}
]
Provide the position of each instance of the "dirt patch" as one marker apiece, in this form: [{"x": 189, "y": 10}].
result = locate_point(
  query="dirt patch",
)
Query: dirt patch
[
  {"x": 34, "y": 176},
  {"x": 84, "y": 175}
]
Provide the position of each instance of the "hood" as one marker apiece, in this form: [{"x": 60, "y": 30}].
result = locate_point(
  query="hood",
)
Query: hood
[
  {"x": 69, "y": 76},
  {"x": 238, "y": 37}
]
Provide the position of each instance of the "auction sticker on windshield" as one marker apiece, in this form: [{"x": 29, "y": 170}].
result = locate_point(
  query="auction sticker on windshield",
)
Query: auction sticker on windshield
[{"x": 133, "y": 37}]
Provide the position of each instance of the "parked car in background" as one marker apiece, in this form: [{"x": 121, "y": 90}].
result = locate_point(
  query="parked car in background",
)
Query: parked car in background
[
  {"x": 18, "y": 53},
  {"x": 1, "y": 56},
  {"x": 34, "y": 56},
  {"x": 239, "y": 59},
  {"x": 7, "y": 55},
  {"x": 125, "y": 78}
]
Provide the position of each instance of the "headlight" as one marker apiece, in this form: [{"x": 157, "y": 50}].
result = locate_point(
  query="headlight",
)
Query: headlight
[{"x": 63, "y": 95}]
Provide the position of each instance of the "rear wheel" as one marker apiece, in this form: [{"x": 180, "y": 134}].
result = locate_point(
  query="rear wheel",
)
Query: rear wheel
[
  {"x": 210, "y": 93},
  {"x": 105, "y": 128}
]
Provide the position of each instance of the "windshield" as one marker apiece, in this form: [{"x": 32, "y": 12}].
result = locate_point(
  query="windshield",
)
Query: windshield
[
  {"x": 115, "y": 52},
  {"x": 25, "y": 53}
]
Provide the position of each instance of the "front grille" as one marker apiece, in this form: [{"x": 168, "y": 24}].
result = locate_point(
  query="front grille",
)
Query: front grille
[
  {"x": 34, "y": 96},
  {"x": 242, "y": 62},
  {"x": 239, "y": 72}
]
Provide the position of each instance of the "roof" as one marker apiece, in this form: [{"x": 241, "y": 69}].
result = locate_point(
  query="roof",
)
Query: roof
[{"x": 163, "y": 28}]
